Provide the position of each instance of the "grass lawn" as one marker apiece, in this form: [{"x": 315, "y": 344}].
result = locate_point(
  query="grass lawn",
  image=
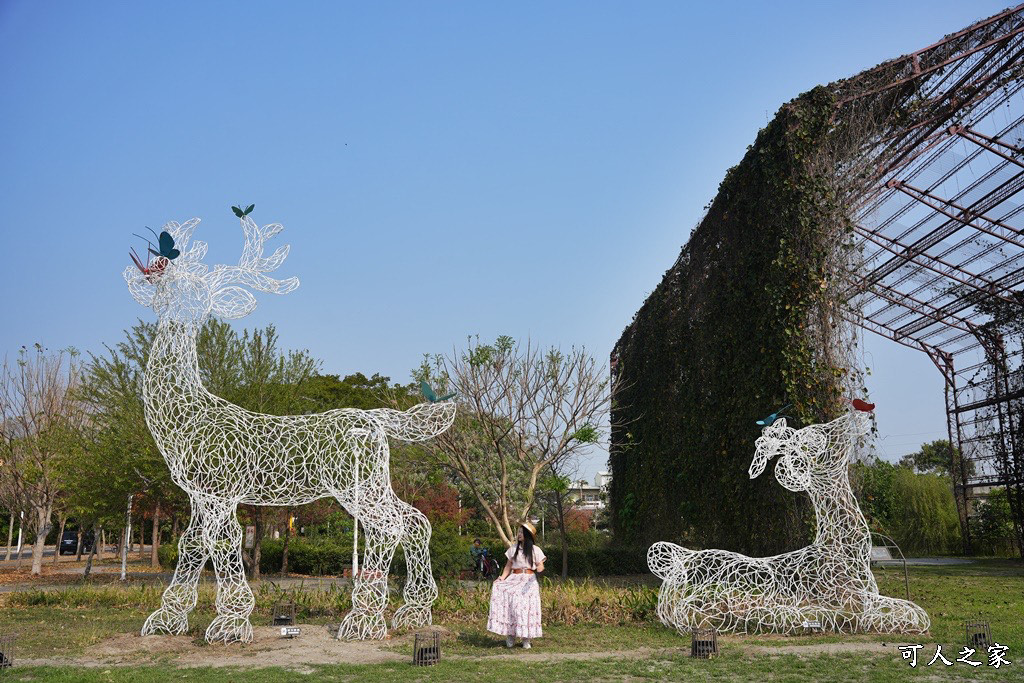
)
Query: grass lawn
[{"x": 593, "y": 634}]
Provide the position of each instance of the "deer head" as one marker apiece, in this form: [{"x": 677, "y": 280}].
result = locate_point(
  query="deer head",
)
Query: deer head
[
  {"x": 184, "y": 290},
  {"x": 808, "y": 457}
]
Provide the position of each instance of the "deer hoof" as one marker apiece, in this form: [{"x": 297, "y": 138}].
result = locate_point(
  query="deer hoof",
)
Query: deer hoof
[
  {"x": 166, "y": 622},
  {"x": 359, "y": 625},
  {"x": 412, "y": 616},
  {"x": 227, "y": 628}
]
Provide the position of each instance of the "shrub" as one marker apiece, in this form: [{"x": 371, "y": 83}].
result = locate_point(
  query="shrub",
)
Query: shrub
[
  {"x": 168, "y": 554},
  {"x": 569, "y": 603},
  {"x": 992, "y": 530},
  {"x": 607, "y": 561}
]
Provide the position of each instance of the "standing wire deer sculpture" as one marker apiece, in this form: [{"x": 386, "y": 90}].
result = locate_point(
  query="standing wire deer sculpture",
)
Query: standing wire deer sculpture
[
  {"x": 222, "y": 455},
  {"x": 827, "y": 584}
]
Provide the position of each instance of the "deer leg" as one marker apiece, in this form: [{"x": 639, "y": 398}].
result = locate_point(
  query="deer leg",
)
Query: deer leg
[
  {"x": 180, "y": 597},
  {"x": 420, "y": 589},
  {"x": 223, "y": 536},
  {"x": 383, "y": 525}
]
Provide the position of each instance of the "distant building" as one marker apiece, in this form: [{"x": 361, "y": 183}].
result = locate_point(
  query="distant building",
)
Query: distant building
[{"x": 585, "y": 496}]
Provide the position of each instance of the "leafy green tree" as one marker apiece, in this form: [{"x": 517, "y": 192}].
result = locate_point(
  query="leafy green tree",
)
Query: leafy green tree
[
  {"x": 248, "y": 369},
  {"x": 992, "y": 526},
  {"x": 327, "y": 392},
  {"x": 558, "y": 487},
  {"x": 121, "y": 443},
  {"x": 41, "y": 422},
  {"x": 935, "y": 457},
  {"x": 251, "y": 371}
]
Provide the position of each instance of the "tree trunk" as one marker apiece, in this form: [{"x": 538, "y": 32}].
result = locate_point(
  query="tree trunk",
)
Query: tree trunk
[
  {"x": 142, "y": 539},
  {"x": 287, "y": 536},
  {"x": 565, "y": 540},
  {"x": 10, "y": 536},
  {"x": 126, "y": 539},
  {"x": 43, "y": 515},
  {"x": 175, "y": 519},
  {"x": 60, "y": 537},
  {"x": 21, "y": 535},
  {"x": 257, "y": 543},
  {"x": 96, "y": 531},
  {"x": 154, "y": 557},
  {"x": 78, "y": 550},
  {"x": 103, "y": 543}
]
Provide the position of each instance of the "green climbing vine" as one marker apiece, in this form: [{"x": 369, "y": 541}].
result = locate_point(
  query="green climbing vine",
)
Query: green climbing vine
[{"x": 743, "y": 323}]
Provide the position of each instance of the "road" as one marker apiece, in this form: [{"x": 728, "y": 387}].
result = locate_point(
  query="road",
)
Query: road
[{"x": 26, "y": 553}]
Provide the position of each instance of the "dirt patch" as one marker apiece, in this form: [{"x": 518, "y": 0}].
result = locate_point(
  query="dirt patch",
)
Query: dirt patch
[{"x": 315, "y": 645}]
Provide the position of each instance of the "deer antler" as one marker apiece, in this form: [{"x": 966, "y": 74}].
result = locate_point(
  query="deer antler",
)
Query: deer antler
[
  {"x": 231, "y": 301},
  {"x": 252, "y": 266}
]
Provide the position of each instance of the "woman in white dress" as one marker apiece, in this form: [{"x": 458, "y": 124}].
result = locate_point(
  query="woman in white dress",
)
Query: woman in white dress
[{"x": 515, "y": 595}]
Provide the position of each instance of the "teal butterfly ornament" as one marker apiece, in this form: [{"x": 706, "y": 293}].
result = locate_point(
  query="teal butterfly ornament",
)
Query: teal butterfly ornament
[
  {"x": 242, "y": 213},
  {"x": 166, "y": 254},
  {"x": 768, "y": 421},
  {"x": 167, "y": 249},
  {"x": 429, "y": 394}
]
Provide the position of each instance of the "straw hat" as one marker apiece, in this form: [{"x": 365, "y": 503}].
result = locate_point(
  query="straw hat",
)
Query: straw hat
[{"x": 530, "y": 527}]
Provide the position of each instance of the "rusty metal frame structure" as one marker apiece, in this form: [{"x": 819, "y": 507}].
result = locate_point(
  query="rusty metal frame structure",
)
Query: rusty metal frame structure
[{"x": 940, "y": 231}]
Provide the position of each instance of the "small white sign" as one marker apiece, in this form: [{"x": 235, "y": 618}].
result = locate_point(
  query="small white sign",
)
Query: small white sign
[
  {"x": 289, "y": 631},
  {"x": 812, "y": 624},
  {"x": 250, "y": 537}
]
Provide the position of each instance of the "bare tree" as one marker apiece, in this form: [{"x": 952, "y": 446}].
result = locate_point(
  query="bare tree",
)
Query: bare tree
[
  {"x": 522, "y": 409},
  {"x": 40, "y": 426}
]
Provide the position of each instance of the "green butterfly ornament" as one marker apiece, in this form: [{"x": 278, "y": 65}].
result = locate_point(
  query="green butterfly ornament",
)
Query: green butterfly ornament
[
  {"x": 429, "y": 394},
  {"x": 242, "y": 213}
]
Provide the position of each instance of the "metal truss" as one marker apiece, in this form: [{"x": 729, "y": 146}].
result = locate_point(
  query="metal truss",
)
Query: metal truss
[{"x": 939, "y": 229}]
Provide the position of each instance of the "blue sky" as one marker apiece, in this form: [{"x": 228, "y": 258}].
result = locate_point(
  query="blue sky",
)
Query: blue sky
[{"x": 441, "y": 169}]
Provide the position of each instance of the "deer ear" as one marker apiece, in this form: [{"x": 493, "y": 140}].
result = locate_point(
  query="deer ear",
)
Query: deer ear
[
  {"x": 233, "y": 302},
  {"x": 757, "y": 467}
]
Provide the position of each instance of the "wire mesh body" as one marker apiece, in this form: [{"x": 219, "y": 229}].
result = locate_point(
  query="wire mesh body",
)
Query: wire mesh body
[
  {"x": 222, "y": 455},
  {"x": 828, "y": 582}
]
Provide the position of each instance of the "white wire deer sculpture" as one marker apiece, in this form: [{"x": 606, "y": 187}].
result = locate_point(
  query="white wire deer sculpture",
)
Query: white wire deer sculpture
[
  {"x": 222, "y": 455},
  {"x": 827, "y": 584}
]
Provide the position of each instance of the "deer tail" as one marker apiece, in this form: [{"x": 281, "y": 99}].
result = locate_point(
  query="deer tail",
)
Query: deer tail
[{"x": 668, "y": 560}]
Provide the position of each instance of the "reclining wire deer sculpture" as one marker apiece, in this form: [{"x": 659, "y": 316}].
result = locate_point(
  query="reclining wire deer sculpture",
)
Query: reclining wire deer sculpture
[
  {"x": 222, "y": 455},
  {"x": 828, "y": 583}
]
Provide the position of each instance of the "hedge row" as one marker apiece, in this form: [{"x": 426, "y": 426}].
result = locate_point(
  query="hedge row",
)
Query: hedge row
[
  {"x": 612, "y": 561},
  {"x": 449, "y": 553}
]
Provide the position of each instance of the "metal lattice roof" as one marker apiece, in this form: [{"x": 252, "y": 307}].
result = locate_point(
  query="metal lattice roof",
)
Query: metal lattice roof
[{"x": 940, "y": 231}]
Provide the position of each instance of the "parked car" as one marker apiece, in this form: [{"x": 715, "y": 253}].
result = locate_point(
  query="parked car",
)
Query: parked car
[{"x": 69, "y": 543}]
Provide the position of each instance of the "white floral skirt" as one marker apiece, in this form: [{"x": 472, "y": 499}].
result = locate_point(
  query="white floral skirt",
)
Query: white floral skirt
[{"x": 515, "y": 607}]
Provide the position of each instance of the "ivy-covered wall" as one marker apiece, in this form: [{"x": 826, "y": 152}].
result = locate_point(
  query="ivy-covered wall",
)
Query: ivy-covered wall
[{"x": 732, "y": 333}]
